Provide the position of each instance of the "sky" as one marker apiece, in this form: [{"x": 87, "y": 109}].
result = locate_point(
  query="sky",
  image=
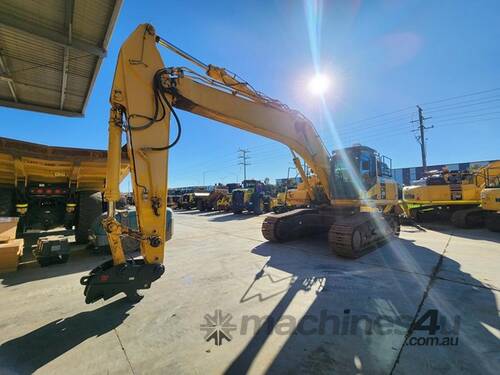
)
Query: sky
[{"x": 382, "y": 59}]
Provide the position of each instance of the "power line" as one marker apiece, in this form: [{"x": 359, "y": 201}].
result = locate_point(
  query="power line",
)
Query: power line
[
  {"x": 449, "y": 108},
  {"x": 396, "y": 120},
  {"x": 467, "y": 103},
  {"x": 421, "y": 137},
  {"x": 393, "y": 133},
  {"x": 398, "y": 111},
  {"x": 453, "y": 116},
  {"x": 244, "y": 161},
  {"x": 476, "y": 113},
  {"x": 221, "y": 160},
  {"x": 462, "y": 96},
  {"x": 469, "y": 123},
  {"x": 377, "y": 116}
]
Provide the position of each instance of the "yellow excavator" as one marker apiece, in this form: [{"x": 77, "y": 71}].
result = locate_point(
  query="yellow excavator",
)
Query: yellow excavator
[
  {"x": 354, "y": 200},
  {"x": 490, "y": 198},
  {"x": 454, "y": 195},
  {"x": 298, "y": 197}
]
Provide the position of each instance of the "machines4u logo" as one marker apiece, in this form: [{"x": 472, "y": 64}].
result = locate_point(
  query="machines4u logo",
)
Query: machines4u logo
[
  {"x": 430, "y": 329},
  {"x": 218, "y": 327}
]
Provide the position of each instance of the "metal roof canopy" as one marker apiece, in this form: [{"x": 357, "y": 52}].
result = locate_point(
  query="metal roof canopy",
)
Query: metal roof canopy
[{"x": 51, "y": 52}]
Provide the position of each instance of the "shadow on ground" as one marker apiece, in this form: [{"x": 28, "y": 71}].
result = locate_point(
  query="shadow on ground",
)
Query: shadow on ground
[
  {"x": 26, "y": 354},
  {"x": 393, "y": 283},
  {"x": 217, "y": 215},
  {"x": 214, "y": 213},
  {"x": 233, "y": 217},
  {"x": 187, "y": 212},
  {"x": 470, "y": 233}
]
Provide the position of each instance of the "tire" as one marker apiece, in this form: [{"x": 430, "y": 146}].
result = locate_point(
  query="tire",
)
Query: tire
[
  {"x": 267, "y": 204},
  {"x": 89, "y": 209},
  {"x": 7, "y": 204},
  {"x": 44, "y": 262},
  {"x": 201, "y": 206},
  {"x": 21, "y": 226},
  {"x": 237, "y": 202},
  {"x": 69, "y": 221},
  {"x": 258, "y": 204},
  {"x": 63, "y": 258}
]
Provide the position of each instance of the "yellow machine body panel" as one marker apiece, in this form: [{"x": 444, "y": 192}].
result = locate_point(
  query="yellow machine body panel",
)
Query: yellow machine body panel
[
  {"x": 224, "y": 203},
  {"x": 466, "y": 192},
  {"x": 25, "y": 162},
  {"x": 297, "y": 197},
  {"x": 490, "y": 195},
  {"x": 300, "y": 196},
  {"x": 490, "y": 199},
  {"x": 442, "y": 194},
  {"x": 383, "y": 191}
]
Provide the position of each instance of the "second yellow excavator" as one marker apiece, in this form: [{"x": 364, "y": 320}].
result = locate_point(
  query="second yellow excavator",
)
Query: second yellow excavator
[
  {"x": 354, "y": 199},
  {"x": 453, "y": 195}
]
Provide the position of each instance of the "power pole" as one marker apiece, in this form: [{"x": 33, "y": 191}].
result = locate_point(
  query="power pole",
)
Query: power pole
[
  {"x": 244, "y": 161},
  {"x": 421, "y": 138}
]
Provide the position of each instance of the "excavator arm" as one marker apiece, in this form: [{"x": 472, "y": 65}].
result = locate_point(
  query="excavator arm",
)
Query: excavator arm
[{"x": 144, "y": 96}]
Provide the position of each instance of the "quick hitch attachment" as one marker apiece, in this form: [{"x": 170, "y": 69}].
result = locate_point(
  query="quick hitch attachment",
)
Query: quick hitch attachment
[
  {"x": 120, "y": 275},
  {"x": 108, "y": 280}
]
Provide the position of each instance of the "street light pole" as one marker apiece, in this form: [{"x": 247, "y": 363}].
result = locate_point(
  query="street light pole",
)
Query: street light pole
[{"x": 204, "y": 173}]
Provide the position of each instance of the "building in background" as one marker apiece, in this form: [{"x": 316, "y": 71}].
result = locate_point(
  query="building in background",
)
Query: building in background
[{"x": 405, "y": 176}]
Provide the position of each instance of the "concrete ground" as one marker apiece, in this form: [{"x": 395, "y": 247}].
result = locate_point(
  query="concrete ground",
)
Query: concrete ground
[{"x": 276, "y": 308}]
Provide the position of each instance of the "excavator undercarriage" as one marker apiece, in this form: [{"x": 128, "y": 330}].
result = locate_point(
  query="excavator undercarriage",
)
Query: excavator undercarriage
[
  {"x": 472, "y": 217},
  {"x": 351, "y": 233}
]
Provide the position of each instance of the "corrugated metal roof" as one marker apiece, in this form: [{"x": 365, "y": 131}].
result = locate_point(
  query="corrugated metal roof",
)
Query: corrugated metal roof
[{"x": 51, "y": 52}]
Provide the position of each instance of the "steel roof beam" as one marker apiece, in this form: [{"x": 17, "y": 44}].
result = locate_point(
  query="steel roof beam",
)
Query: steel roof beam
[
  {"x": 5, "y": 76},
  {"x": 68, "y": 24},
  {"x": 39, "y": 108},
  {"x": 112, "y": 22},
  {"x": 14, "y": 22}
]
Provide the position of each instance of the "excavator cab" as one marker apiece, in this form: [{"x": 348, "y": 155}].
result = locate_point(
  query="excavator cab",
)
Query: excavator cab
[{"x": 355, "y": 170}]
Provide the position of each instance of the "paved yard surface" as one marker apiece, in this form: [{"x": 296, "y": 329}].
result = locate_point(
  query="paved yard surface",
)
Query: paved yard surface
[{"x": 279, "y": 308}]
